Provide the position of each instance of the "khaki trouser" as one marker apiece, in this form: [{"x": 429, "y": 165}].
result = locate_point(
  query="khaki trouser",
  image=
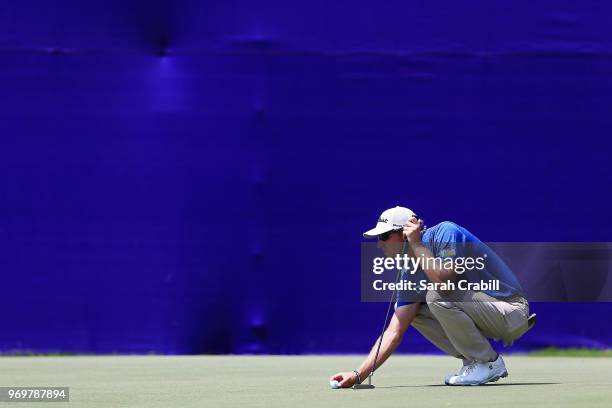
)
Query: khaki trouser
[{"x": 459, "y": 323}]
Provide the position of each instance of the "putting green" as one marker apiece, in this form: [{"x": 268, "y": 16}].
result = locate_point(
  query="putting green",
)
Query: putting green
[{"x": 278, "y": 381}]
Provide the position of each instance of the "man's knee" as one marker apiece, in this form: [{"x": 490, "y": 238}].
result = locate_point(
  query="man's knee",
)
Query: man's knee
[
  {"x": 437, "y": 302},
  {"x": 434, "y": 298},
  {"x": 419, "y": 322}
]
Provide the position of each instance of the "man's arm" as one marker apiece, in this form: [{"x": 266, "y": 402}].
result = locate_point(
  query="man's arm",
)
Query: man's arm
[
  {"x": 401, "y": 320},
  {"x": 435, "y": 273}
]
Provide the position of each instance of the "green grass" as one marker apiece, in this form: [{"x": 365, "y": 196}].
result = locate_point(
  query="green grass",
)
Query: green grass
[
  {"x": 303, "y": 381},
  {"x": 571, "y": 352}
]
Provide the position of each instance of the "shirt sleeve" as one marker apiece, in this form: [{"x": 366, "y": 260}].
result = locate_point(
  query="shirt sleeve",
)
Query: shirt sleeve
[
  {"x": 449, "y": 241},
  {"x": 399, "y": 304},
  {"x": 408, "y": 297}
]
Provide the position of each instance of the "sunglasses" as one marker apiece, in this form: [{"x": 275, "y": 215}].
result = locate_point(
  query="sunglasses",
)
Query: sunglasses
[{"x": 387, "y": 235}]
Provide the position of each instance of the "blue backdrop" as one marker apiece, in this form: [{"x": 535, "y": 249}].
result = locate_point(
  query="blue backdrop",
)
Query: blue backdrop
[{"x": 191, "y": 177}]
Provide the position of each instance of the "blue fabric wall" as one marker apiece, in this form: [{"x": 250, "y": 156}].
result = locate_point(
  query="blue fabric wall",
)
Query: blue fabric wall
[{"x": 190, "y": 177}]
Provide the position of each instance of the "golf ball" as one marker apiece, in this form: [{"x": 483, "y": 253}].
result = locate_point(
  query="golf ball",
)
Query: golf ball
[{"x": 334, "y": 384}]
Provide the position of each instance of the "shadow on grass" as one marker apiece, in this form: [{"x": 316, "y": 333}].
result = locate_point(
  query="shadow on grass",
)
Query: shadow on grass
[{"x": 485, "y": 385}]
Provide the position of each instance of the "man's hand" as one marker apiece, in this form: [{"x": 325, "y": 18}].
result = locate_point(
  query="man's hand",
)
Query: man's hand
[
  {"x": 401, "y": 320},
  {"x": 412, "y": 230},
  {"x": 346, "y": 379}
]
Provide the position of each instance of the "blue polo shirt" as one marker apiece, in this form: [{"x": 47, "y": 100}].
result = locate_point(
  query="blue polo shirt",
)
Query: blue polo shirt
[{"x": 449, "y": 240}]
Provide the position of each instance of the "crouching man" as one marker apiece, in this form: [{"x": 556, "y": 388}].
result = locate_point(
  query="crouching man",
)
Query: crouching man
[{"x": 458, "y": 322}]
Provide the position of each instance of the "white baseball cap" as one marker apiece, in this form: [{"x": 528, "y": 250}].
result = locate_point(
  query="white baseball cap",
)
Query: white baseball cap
[{"x": 391, "y": 219}]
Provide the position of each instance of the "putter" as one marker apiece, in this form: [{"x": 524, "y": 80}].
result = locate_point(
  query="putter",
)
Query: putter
[{"x": 369, "y": 385}]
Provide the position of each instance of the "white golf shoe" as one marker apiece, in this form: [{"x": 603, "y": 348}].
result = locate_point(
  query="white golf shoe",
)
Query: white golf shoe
[
  {"x": 480, "y": 373},
  {"x": 466, "y": 364}
]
